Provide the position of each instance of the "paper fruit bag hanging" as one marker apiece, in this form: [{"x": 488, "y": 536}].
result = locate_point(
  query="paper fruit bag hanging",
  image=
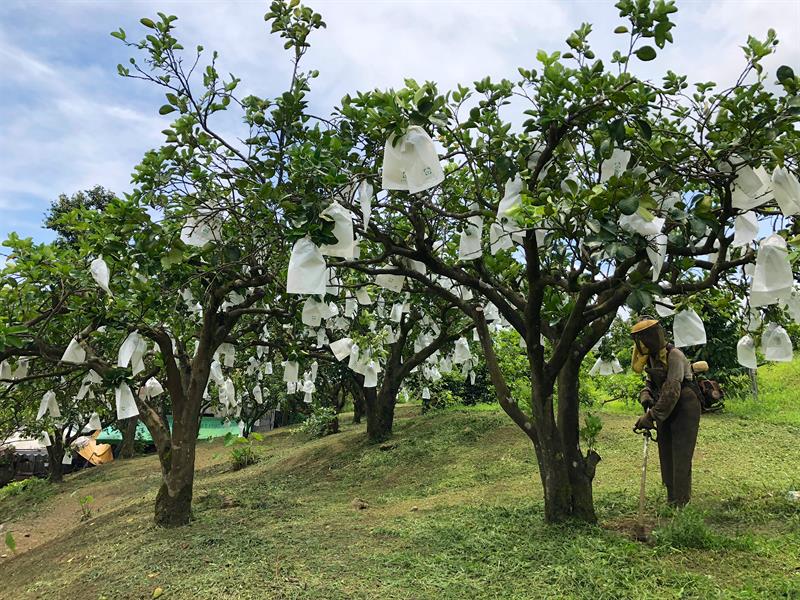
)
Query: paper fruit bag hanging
[
  {"x": 688, "y": 329},
  {"x": 772, "y": 278},
  {"x": 307, "y": 269},
  {"x": 746, "y": 352},
  {"x": 411, "y": 163},
  {"x": 342, "y": 230},
  {"x": 776, "y": 344}
]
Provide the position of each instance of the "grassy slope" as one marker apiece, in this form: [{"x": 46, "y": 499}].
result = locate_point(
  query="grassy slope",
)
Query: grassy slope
[{"x": 454, "y": 512}]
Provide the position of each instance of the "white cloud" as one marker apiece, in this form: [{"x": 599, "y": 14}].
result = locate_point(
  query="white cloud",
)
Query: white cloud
[{"x": 68, "y": 121}]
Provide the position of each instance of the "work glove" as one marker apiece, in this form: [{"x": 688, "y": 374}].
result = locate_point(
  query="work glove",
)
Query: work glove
[
  {"x": 646, "y": 399},
  {"x": 645, "y": 422}
]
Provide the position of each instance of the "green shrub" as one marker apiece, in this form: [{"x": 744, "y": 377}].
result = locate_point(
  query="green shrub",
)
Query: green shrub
[
  {"x": 440, "y": 398},
  {"x": 323, "y": 421},
  {"x": 243, "y": 454},
  {"x": 688, "y": 529},
  {"x": 33, "y": 489}
]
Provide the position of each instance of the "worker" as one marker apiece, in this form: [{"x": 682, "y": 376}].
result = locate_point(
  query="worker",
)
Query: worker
[{"x": 671, "y": 400}]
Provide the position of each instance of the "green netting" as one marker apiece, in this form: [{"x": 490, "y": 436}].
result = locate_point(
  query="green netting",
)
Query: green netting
[{"x": 210, "y": 427}]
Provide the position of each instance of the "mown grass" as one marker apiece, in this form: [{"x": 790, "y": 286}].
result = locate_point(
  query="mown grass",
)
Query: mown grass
[{"x": 454, "y": 510}]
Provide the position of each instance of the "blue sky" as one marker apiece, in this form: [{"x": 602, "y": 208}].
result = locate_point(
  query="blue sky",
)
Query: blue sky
[{"x": 69, "y": 122}]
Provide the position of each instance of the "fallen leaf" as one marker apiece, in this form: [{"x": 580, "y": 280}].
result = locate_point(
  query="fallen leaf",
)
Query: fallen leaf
[{"x": 157, "y": 592}]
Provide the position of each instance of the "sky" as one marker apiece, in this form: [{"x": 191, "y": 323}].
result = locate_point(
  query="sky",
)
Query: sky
[{"x": 69, "y": 122}]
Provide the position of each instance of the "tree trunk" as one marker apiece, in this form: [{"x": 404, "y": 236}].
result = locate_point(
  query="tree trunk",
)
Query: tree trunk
[
  {"x": 128, "y": 429},
  {"x": 174, "y": 500},
  {"x": 55, "y": 456},
  {"x": 358, "y": 402},
  {"x": 580, "y": 468},
  {"x": 567, "y": 489},
  {"x": 379, "y": 404}
]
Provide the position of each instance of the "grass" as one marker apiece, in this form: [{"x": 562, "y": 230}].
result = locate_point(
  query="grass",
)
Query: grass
[{"x": 454, "y": 510}]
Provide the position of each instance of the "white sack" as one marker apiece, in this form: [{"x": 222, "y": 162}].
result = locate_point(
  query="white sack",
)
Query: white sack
[
  {"x": 745, "y": 229},
  {"x": 199, "y": 231},
  {"x": 100, "y": 273},
  {"x": 389, "y": 282},
  {"x": 461, "y": 352},
  {"x": 772, "y": 278},
  {"x": 371, "y": 375},
  {"x": 126, "y": 405},
  {"x": 342, "y": 230},
  {"x": 411, "y": 163},
  {"x": 664, "y": 306},
  {"x": 469, "y": 246},
  {"x": 746, "y": 352},
  {"x": 341, "y": 348},
  {"x": 688, "y": 329},
  {"x": 363, "y": 296},
  {"x": 311, "y": 314},
  {"x": 290, "y": 370},
  {"x": 615, "y": 165},
  {"x": 48, "y": 403},
  {"x": 786, "y": 190},
  {"x": 94, "y": 422},
  {"x": 127, "y": 349},
  {"x": 657, "y": 253},
  {"x": 74, "y": 353},
  {"x": 511, "y": 203},
  {"x": 365, "y": 199},
  {"x": 776, "y": 345},
  {"x": 307, "y": 272}
]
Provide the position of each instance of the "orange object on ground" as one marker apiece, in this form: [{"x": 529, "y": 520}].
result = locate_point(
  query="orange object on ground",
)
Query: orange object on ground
[{"x": 88, "y": 448}]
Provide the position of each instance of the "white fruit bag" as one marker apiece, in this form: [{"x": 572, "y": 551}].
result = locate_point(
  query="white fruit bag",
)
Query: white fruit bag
[
  {"x": 657, "y": 253},
  {"x": 461, "y": 352},
  {"x": 772, "y": 278},
  {"x": 746, "y": 352},
  {"x": 371, "y": 375},
  {"x": 100, "y": 273},
  {"x": 745, "y": 229},
  {"x": 126, "y": 405},
  {"x": 786, "y": 190},
  {"x": 616, "y": 164},
  {"x": 290, "y": 370},
  {"x": 48, "y": 403},
  {"x": 393, "y": 283},
  {"x": 74, "y": 353},
  {"x": 307, "y": 272},
  {"x": 469, "y": 247},
  {"x": 511, "y": 202},
  {"x": 688, "y": 329},
  {"x": 411, "y": 163},
  {"x": 311, "y": 314},
  {"x": 342, "y": 230},
  {"x": 341, "y": 348},
  {"x": 775, "y": 344},
  {"x": 94, "y": 422},
  {"x": 365, "y": 200}
]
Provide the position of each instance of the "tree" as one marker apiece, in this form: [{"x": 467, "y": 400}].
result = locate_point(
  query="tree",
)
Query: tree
[
  {"x": 203, "y": 228},
  {"x": 96, "y": 198},
  {"x": 614, "y": 190}
]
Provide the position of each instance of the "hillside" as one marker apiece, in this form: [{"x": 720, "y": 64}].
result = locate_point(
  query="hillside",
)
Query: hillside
[{"x": 453, "y": 511}]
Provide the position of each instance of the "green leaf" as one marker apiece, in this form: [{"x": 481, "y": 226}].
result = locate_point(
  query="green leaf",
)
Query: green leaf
[
  {"x": 12, "y": 545},
  {"x": 173, "y": 257},
  {"x": 166, "y": 109},
  {"x": 646, "y": 53},
  {"x": 147, "y": 23},
  {"x": 647, "y": 131},
  {"x": 639, "y": 300},
  {"x": 629, "y": 205}
]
